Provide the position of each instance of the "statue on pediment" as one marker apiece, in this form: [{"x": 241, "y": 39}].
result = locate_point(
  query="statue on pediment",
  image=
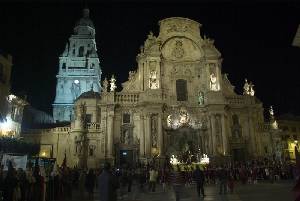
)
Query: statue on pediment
[
  {"x": 113, "y": 84},
  {"x": 105, "y": 85}
]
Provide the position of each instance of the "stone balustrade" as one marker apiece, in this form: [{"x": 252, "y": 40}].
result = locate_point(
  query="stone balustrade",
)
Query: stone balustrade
[
  {"x": 236, "y": 100},
  {"x": 62, "y": 129},
  {"x": 93, "y": 126},
  {"x": 79, "y": 71},
  {"x": 128, "y": 98},
  {"x": 264, "y": 127}
]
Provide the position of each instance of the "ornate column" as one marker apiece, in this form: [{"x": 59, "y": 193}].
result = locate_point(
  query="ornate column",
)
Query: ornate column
[
  {"x": 224, "y": 135},
  {"x": 147, "y": 135},
  {"x": 142, "y": 136},
  {"x": 160, "y": 137},
  {"x": 110, "y": 133},
  {"x": 213, "y": 134}
]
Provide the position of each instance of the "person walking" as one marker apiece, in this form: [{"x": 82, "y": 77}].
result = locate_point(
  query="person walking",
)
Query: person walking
[
  {"x": 108, "y": 184},
  {"x": 223, "y": 178},
  {"x": 176, "y": 178},
  {"x": 90, "y": 183},
  {"x": 198, "y": 176},
  {"x": 152, "y": 179}
]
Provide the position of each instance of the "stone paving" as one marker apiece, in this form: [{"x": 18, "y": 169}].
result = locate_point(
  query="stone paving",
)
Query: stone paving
[{"x": 280, "y": 191}]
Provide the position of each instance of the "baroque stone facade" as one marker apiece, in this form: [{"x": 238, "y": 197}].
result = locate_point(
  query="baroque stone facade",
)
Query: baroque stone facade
[
  {"x": 79, "y": 69},
  {"x": 177, "y": 100}
]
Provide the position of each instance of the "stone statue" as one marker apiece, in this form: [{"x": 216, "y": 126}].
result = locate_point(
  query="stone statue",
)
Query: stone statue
[
  {"x": 201, "y": 98},
  {"x": 213, "y": 82},
  {"x": 271, "y": 111},
  {"x": 105, "y": 85},
  {"x": 251, "y": 90},
  {"x": 169, "y": 121},
  {"x": 151, "y": 39},
  {"x": 113, "y": 85},
  {"x": 153, "y": 82},
  {"x": 126, "y": 137},
  {"x": 246, "y": 87},
  {"x": 131, "y": 75}
]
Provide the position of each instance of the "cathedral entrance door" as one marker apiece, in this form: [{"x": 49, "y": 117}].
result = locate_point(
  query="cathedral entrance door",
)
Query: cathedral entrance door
[
  {"x": 184, "y": 143},
  {"x": 238, "y": 154}
]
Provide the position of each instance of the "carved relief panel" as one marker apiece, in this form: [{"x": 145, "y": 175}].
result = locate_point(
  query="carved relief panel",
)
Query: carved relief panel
[
  {"x": 154, "y": 130},
  {"x": 153, "y": 75}
]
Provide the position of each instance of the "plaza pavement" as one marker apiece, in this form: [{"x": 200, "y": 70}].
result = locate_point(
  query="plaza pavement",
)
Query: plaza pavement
[{"x": 280, "y": 191}]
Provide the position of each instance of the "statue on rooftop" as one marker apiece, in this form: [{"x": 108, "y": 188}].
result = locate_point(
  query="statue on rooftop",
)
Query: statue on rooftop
[{"x": 113, "y": 85}]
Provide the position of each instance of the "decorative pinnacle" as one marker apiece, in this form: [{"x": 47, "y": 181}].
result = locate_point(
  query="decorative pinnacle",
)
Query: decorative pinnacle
[{"x": 86, "y": 13}]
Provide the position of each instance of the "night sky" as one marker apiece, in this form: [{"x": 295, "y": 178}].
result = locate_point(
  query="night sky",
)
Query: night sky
[{"x": 254, "y": 39}]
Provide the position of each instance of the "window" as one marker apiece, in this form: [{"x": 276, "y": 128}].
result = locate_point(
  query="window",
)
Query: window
[
  {"x": 126, "y": 118},
  {"x": 91, "y": 151},
  {"x": 88, "y": 118},
  {"x": 64, "y": 66},
  {"x": 81, "y": 51},
  {"x": 181, "y": 90},
  {"x": 235, "y": 119}
]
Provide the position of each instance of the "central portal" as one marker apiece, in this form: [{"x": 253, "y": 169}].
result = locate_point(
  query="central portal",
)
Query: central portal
[{"x": 185, "y": 143}]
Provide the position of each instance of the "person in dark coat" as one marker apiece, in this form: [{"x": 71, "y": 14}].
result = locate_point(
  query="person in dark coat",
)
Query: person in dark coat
[
  {"x": 198, "y": 176},
  {"x": 90, "y": 183},
  {"x": 108, "y": 184},
  {"x": 223, "y": 178}
]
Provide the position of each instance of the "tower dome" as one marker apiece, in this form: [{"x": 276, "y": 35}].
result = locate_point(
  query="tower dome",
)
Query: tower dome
[{"x": 85, "y": 20}]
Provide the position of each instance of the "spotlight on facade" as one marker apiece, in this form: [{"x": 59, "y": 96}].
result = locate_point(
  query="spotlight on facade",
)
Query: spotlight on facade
[
  {"x": 6, "y": 126},
  {"x": 174, "y": 160},
  {"x": 204, "y": 160}
]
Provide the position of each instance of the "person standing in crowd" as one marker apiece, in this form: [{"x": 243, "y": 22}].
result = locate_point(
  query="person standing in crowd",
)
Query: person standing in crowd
[
  {"x": 231, "y": 181},
  {"x": 130, "y": 174},
  {"x": 90, "y": 183},
  {"x": 81, "y": 182},
  {"x": 152, "y": 179},
  {"x": 198, "y": 176},
  {"x": 223, "y": 178},
  {"x": 108, "y": 184},
  {"x": 176, "y": 178},
  {"x": 10, "y": 183}
]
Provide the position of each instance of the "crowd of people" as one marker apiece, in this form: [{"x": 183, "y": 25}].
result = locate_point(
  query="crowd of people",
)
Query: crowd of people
[{"x": 60, "y": 183}]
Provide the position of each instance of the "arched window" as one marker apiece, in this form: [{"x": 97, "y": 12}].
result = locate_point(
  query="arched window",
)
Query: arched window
[
  {"x": 81, "y": 51},
  {"x": 235, "y": 119},
  {"x": 181, "y": 90}
]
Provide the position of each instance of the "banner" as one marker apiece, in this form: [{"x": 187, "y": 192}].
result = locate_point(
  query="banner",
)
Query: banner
[{"x": 17, "y": 161}]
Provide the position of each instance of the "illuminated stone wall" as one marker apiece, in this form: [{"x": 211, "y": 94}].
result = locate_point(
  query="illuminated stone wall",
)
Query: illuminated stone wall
[{"x": 79, "y": 69}]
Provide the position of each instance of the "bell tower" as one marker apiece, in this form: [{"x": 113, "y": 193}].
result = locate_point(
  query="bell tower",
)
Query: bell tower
[{"x": 79, "y": 69}]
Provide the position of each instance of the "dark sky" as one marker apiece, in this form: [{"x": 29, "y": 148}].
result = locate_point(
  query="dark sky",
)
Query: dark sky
[{"x": 254, "y": 39}]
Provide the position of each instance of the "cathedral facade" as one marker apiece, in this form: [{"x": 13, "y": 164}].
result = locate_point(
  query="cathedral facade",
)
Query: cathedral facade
[{"x": 177, "y": 101}]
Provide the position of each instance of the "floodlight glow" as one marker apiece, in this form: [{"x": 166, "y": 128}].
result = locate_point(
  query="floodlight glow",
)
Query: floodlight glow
[
  {"x": 174, "y": 160},
  {"x": 204, "y": 159},
  {"x": 76, "y": 81},
  {"x": 7, "y": 125}
]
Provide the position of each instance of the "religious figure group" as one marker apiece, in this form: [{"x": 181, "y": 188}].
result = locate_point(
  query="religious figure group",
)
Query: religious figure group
[
  {"x": 153, "y": 81},
  {"x": 248, "y": 88},
  {"x": 113, "y": 84}
]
